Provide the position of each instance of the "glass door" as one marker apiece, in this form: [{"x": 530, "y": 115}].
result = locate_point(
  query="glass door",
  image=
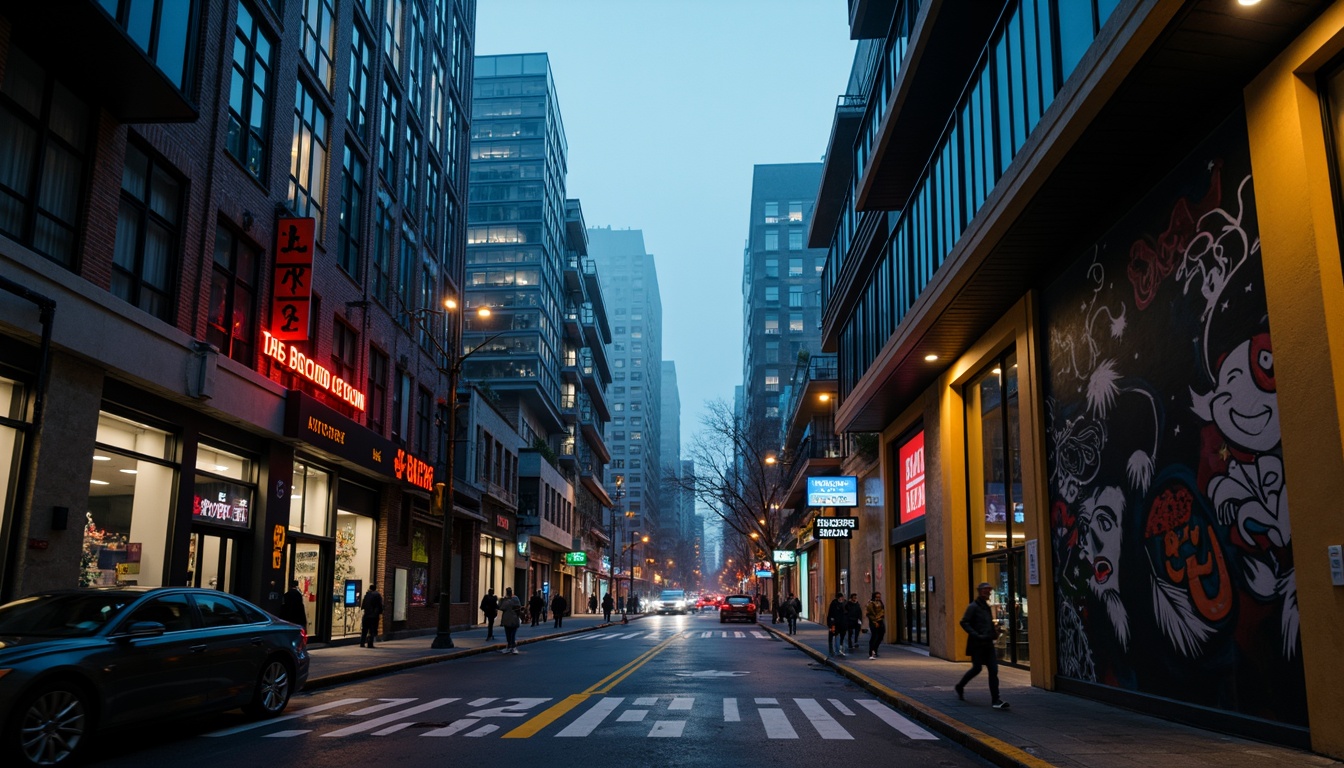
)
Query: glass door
[
  {"x": 210, "y": 561},
  {"x": 912, "y": 603},
  {"x": 304, "y": 564}
]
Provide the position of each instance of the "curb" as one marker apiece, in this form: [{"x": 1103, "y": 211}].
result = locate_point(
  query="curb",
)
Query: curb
[
  {"x": 339, "y": 678},
  {"x": 982, "y": 744}
]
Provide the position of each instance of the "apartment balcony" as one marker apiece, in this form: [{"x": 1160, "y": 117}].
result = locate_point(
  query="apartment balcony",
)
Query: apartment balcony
[
  {"x": 569, "y": 407},
  {"x": 500, "y": 494},
  {"x": 837, "y": 170},
  {"x": 572, "y": 273},
  {"x": 869, "y": 18},
  {"x": 570, "y": 317},
  {"x": 123, "y": 79},
  {"x": 816, "y": 456},
  {"x": 812, "y": 396}
]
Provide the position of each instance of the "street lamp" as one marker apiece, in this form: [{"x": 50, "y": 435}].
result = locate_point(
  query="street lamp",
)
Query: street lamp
[{"x": 615, "y": 556}]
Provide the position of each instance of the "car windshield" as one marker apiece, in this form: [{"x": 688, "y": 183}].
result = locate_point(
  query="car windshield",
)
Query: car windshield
[
  {"x": 738, "y": 600},
  {"x": 64, "y": 615},
  {"x": 673, "y": 595}
]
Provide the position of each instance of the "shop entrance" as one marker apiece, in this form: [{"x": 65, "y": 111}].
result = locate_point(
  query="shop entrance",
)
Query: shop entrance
[
  {"x": 913, "y": 605},
  {"x": 210, "y": 561},
  {"x": 305, "y": 564}
]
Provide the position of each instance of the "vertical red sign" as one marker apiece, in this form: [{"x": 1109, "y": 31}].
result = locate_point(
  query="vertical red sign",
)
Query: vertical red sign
[
  {"x": 293, "y": 285},
  {"x": 912, "y": 478}
]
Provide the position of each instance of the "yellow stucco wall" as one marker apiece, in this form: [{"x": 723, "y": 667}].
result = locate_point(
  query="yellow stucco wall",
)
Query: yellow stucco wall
[{"x": 1305, "y": 291}]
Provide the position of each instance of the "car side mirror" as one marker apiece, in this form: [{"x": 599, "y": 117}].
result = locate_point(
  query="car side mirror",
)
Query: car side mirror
[{"x": 144, "y": 629}]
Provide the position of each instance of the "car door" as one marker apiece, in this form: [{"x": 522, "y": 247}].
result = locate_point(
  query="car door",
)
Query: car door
[
  {"x": 146, "y": 677},
  {"x": 236, "y": 646}
]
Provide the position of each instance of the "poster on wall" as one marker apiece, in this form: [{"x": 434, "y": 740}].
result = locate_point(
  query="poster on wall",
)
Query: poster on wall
[
  {"x": 1172, "y": 548},
  {"x": 419, "y": 585}
]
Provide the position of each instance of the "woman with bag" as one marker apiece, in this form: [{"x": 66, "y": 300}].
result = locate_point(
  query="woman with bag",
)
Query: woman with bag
[
  {"x": 510, "y": 618},
  {"x": 877, "y": 623}
]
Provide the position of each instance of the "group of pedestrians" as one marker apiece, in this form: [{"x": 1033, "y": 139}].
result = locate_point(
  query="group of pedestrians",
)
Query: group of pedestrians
[{"x": 844, "y": 622}]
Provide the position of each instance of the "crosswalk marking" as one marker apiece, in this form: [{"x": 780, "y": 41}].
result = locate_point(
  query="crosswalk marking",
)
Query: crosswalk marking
[
  {"x": 387, "y": 704},
  {"x": 282, "y": 718},
  {"x": 480, "y": 702},
  {"x": 730, "y": 714},
  {"x": 841, "y": 707},
  {"x": 777, "y": 724},
  {"x": 657, "y": 635},
  {"x": 457, "y": 727},
  {"x": 682, "y": 703},
  {"x": 645, "y": 701},
  {"x": 668, "y": 729},
  {"x": 900, "y": 723},
  {"x": 592, "y": 718},
  {"x": 285, "y": 734},
  {"x": 706, "y": 634},
  {"x": 739, "y": 634},
  {"x": 483, "y": 730},
  {"x": 632, "y": 716},
  {"x": 827, "y": 727},
  {"x": 761, "y": 635},
  {"x": 385, "y": 719}
]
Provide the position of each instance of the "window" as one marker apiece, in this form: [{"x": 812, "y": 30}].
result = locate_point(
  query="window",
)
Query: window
[
  {"x": 771, "y": 379},
  {"x": 233, "y": 279},
  {"x": 795, "y": 211},
  {"x": 795, "y": 239},
  {"x": 378, "y": 365},
  {"x": 795, "y": 295},
  {"x": 319, "y": 38},
  {"x": 249, "y": 97},
  {"x": 772, "y": 294},
  {"x": 424, "y": 422},
  {"x": 344, "y": 349},
  {"x": 771, "y": 240},
  {"x": 387, "y": 132},
  {"x": 350, "y": 226},
  {"x": 795, "y": 322},
  {"x": 361, "y": 72},
  {"x": 148, "y": 247},
  {"x": 410, "y": 179},
  {"x": 795, "y": 266},
  {"x": 308, "y": 171},
  {"x": 636, "y": 435},
  {"x": 772, "y": 351},
  {"x": 415, "y": 55},
  {"x": 140, "y": 498},
  {"x": 772, "y": 324},
  {"x": 401, "y": 407},
  {"x": 772, "y": 267},
  {"x": 772, "y": 212},
  {"x": 163, "y": 33},
  {"x": 44, "y": 130},
  {"x": 392, "y": 23},
  {"x": 384, "y": 242}
]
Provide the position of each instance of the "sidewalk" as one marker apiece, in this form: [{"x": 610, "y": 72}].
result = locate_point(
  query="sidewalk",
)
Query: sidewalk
[{"x": 1041, "y": 729}]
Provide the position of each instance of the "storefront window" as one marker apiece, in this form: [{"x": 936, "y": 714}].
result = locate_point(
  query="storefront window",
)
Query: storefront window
[
  {"x": 355, "y": 539},
  {"x": 130, "y": 505},
  {"x": 492, "y": 567},
  {"x": 310, "y": 500},
  {"x": 11, "y": 416}
]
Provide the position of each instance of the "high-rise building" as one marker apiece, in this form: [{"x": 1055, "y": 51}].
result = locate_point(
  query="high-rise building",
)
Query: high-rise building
[
  {"x": 669, "y": 457},
  {"x": 229, "y": 230},
  {"x": 541, "y": 353},
  {"x": 1084, "y": 281},
  {"x": 630, "y": 283}
]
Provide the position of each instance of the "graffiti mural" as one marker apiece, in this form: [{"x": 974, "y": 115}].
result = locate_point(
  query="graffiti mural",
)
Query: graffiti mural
[{"x": 1168, "y": 496}]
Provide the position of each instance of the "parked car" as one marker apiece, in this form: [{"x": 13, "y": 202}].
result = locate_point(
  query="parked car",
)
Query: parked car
[
  {"x": 74, "y": 663},
  {"x": 737, "y": 607}
]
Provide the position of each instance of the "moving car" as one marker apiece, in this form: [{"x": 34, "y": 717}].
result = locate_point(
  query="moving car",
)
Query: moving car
[
  {"x": 707, "y": 601},
  {"x": 77, "y": 662},
  {"x": 737, "y": 607},
  {"x": 671, "y": 601}
]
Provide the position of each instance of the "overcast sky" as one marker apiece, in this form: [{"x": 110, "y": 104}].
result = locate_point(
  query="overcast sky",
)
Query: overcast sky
[{"x": 667, "y": 105}]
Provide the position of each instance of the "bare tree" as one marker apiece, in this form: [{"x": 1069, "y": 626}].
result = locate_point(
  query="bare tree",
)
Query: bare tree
[{"x": 739, "y": 477}]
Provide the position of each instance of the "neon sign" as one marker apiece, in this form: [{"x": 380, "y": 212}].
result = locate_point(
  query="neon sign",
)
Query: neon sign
[
  {"x": 412, "y": 470},
  {"x": 311, "y": 370}
]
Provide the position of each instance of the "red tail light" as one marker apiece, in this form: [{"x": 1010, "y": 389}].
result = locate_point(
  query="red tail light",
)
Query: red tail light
[
  {"x": 751, "y": 607},
  {"x": 303, "y": 639}
]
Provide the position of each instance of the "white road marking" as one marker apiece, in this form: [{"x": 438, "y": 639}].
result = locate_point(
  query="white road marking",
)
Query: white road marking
[
  {"x": 739, "y": 634},
  {"x": 899, "y": 722},
  {"x": 632, "y": 716},
  {"x": 483, "y": 730},
  {"x": 388, "y": 704},
  {"x": 393, "y": 728},
  {"x": 385, "y": 719},
  {"x": 589, "y": 720},
  {"x": 730, "y": 714},
  {"x": 682, "y": 703},
  {"x": 826, "y": 726},
  {"x": 282, "y": 718},
  {"x": 777, "y": 724},
  {"x": 706, "y": 634},
  {"x": 457, "y": 727},
  {"x": 761, "y": 635},
  {"x": 841, "y": 707},
  {"x": 667, "y": 729},
  {"x": 481, "y": 702},
  {"x": 285, "y": 734},
  {"x": 645, "y": 701}
]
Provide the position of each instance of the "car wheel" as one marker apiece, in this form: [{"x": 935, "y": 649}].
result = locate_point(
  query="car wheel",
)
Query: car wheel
[
  {"x": 52, "y": 724},
  {"x": 275, "y": 685}
]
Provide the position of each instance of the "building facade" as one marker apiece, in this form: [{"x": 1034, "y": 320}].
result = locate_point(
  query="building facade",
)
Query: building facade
[
  {"x": 540, "y": 355},
  {"x": 1099, "y": 340},
  {"x": 226, "y": 252}
]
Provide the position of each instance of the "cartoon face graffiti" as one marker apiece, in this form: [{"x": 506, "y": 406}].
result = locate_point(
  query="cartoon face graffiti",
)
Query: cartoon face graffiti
[
  {"x": 1245, "y": 404},
  {"x": 1099, "y": 537}
]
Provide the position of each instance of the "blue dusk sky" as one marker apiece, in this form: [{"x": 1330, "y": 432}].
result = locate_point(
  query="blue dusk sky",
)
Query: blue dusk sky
[{"x": 667, "y": 105}]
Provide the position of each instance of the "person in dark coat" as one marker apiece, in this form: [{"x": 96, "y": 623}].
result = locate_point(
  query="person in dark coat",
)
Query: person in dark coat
[
  {"x": 981, "y": 632},
  {"x": 291, "y": 609},
  {"x": 608, "y": 605},
  {"x": 789, "y": 612},
  {"x": 592, "y": 603},
  {"x": 537, "y": 605},
  {"x": 837, "y": 623},
  {"x": 490, "y": 607},
  {"x": 558, "y": 607},
  {"x": 511, "y": 609},
  {"x": 372, "y": 605},
  {"x": 853, "y": 620}
]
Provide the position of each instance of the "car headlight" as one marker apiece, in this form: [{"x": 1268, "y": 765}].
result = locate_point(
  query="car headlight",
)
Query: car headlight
[{"x": 680, "y": 604}]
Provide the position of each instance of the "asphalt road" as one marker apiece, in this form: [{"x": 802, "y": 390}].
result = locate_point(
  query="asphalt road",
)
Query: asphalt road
[{"x": 664, "y": 691}]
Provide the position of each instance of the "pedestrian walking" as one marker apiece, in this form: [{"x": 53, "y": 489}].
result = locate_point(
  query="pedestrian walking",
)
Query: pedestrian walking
[
  {"x": 608, "y": 605},
  {"x": 876, "y": 612},
  {"x": 837, "y": 622},
  {"x": 558, "y": 607},
  {"x": 789, "y": 611},
  {"x": 592, "y": 603},
  {"x": 372, "y": 605},
  {"x": 981, "y": 632},
  {"x": 537, "y": 606},
  {"x": 511, "y": 617},
  {"x": 291, "y": 609},
  {"x": 854, "y": 620},
  {"x": 490, "y": 607}
]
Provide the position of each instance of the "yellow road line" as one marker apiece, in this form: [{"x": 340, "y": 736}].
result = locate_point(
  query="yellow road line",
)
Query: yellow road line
[{"x": 534, "y": 726}]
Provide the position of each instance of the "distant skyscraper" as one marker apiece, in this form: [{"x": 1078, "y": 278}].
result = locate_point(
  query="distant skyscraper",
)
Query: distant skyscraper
[
  {"x": 781, "y": 284},
  {"x": 630, "y": 287},
  {"x": 670, "y": 452}
]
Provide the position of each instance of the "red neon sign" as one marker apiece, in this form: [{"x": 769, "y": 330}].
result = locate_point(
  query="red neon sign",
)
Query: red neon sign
[
  {"x": 296, "y": 361},
  {"x": 912, "y": 478},
  {"x": 293, "y": 292},
  {"x": 414, "y": 471}
]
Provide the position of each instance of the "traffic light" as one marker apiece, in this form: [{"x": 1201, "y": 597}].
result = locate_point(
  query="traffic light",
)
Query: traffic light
[{"x": 436, "y": 501}]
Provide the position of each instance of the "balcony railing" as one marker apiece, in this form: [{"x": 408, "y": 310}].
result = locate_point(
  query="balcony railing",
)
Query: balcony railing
[{"x": 884, "y": 84}]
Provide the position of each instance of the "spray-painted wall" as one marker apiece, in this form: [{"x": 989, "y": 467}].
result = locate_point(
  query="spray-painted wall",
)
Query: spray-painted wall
[{"x": 1171, "y": 539}]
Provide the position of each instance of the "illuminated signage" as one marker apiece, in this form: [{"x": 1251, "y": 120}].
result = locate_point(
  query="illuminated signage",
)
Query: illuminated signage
[
  {"x": 292, "y": 358},
  {"x": 222, "y": 503},
  {"x": 576, "y": 558},
  {"x": 912, "y": 478},
  {"x": 787, "y": 556},
  {"x": 293, "y": 282},
  {"x": 502, "y": 522},
  {"x": 835, "y": 527},
  {"x": 412, "y": 470},
  {"x": 833, "y": 491},
  {"x": 317, "y": 425}
]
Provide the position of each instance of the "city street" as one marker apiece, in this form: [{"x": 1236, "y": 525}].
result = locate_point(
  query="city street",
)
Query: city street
[{"x": 663, "y": 691}]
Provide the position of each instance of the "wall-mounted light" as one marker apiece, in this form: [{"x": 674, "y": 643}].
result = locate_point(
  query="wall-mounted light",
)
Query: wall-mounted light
[{"x": 930, "y": 358}]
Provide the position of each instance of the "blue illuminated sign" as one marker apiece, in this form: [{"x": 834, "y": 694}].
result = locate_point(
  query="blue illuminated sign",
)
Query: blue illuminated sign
[{"x": 833, "y": 491}]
